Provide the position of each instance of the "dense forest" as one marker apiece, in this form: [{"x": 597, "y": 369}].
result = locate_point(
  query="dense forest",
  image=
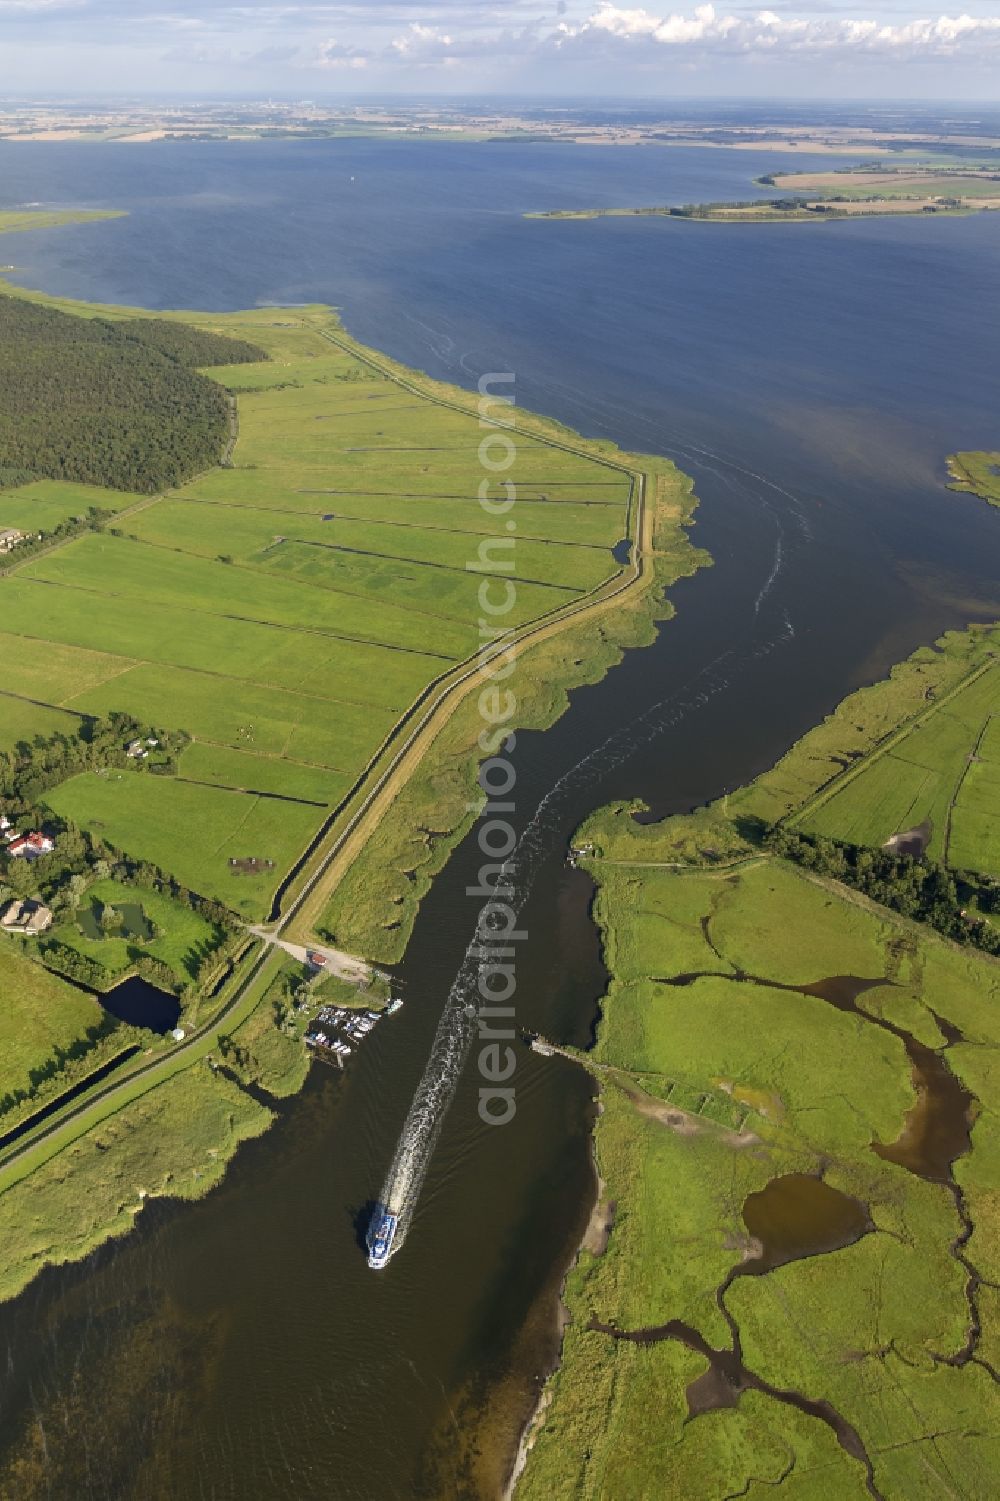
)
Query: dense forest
[
  {"x": 110, "y": 403},
  {"x": 191, "y": 347}
]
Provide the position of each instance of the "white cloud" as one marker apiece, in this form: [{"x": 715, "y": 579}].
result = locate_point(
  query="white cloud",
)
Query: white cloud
[
  {"x": 419, "y": 41},
  {"x": 332, "y": 54},
  {"x": 537, "y": 45},
  {"x": 706, "y": 29}
]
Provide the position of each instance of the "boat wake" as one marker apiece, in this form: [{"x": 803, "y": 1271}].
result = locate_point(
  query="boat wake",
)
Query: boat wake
[{"x": 459, "y": 1018}]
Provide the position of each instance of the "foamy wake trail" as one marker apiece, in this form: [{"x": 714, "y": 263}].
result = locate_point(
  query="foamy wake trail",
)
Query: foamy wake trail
[
  {"x": 457, "y": 1027},
  {"x": 771, "y": 579}
]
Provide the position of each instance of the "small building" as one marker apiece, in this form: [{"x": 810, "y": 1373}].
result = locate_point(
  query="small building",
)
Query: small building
[
  {"x": 25, "y": 917},
  {"x": 136, "y": 750},
  {"x": 9, "y": 539},
  {"x": 30, "y": 846}
]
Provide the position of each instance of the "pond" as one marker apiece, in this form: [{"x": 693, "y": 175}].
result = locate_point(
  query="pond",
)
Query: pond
[
  {"x": 134, "y": 924},
  {"x": 142, "y": 1005}
]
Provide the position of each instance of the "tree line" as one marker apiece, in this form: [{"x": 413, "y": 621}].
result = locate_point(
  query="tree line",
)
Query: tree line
[
  {"x": 117, "y": 404},
  {"x": 34, "y": 767},
  {"x": 80, "y": 858},
  {"x": 919, "y": 888},
  {"x": 94, "y": 520}
]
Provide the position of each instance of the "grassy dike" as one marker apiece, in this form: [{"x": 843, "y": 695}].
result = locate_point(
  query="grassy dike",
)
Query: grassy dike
[
  {"x": 799, "y": 1172},
  {"x": 370, "y": 901},
  {"x": 351, "y": 691}
]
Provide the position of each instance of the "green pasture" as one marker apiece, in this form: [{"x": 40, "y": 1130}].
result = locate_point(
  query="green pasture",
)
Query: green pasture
[
  {"x": 267, "y": 539},
  {"x": 589, "y": 522},
  {"x": 50, "y": 672},
  {"x": 39, "y": 1013},
  {"x": 46, "y": 503},
  {"x": 887, "y": 185},
  {"x": 153, "y": 575},
  {"x": 297, "y": 658},
  {"x": 816, "y": 1086},
  {"x": 227, "y": 767},
  {"x": 183, "y": 937},
  {"x": 245, "y": 716},
  {"x": 192, "y": 830},
  {"x": 935, "y": 771},
  {"x": 22, "y": 719}
]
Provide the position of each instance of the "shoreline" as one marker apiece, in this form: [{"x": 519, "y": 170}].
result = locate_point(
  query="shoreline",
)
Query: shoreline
[
  {"x": 894, "y": 192},
  {"x": 661, "y": 553},
  {"x": 616, "y": 840}
]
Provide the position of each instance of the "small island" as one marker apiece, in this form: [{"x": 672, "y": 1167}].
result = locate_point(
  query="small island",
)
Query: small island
[
  {"x": 846, "y": 193},
  {"x": 976, "y": 474},
  {"x": 14, "y": 220}
]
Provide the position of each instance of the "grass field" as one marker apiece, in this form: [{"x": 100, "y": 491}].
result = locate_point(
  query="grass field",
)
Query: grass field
[
  {"x": 907, "y": 182},
  {"x": 39, "y": 1013},
  {"x": 944, "y": 769},
  {"x": 192, "y": 831},
  {"x": 714, "y": 1088},
  {"x": 13, "y": 220},
  {"x": 287, "y": 610},
  {"x": 182, "y": 938},
  {"x": 977, "y": 474},
  {"x": 47, "y": 502}
]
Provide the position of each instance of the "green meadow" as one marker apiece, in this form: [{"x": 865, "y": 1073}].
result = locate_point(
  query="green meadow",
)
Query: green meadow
[
  {"x": 180, "y": 937},
  {"x": 39, "y": 1013},
  {"x": 192, "y": 831},
  {"x": 288, "y": 608},
  {"x": 247, "y": 772},
  {"x": 46, "y": 503},
  {"x": 944, "y": 768},
  {"x": 715, "y": 1087},
  {"x": 13, "y": 220},
  {"x": 977, "y": 473}
]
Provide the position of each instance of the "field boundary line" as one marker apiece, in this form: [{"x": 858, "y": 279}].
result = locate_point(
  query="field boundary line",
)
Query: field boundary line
[
  {"x": 895, "y": 737},
  {"x": 447, "y": 695},
  {"x": 952, "y": 801}
]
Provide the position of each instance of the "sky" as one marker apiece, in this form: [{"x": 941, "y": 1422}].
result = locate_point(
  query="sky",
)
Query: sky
[{"x": 317, "y": 49}]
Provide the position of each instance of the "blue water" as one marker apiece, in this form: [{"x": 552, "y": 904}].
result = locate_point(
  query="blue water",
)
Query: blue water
[
  {"x": 842, "y": 360},
  {"x": 812, "y": 379}
]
